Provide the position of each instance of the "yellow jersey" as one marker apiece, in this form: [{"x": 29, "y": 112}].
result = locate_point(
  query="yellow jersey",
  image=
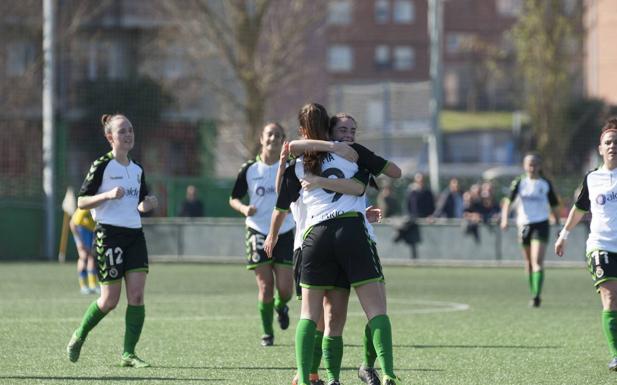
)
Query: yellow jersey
[{"x": 83, "y": 218}]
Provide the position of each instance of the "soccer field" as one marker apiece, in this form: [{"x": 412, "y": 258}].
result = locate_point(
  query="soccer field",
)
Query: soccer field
[{"x": 450, "y": 326}]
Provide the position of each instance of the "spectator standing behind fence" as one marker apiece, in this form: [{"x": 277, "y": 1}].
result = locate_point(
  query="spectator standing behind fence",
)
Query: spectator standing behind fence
[
  {"x": 192, "y": 205},
  {"x": 472, "y": 212},
  {"x": 420, "y": 200},
  {"x": 491, "y": 209},
  {"x": 387, "y": 202},
  {"x": 450, "y": 202}
]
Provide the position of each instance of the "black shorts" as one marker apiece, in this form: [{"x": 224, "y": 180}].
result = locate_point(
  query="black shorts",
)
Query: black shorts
[
  {"x": 119, "y": 250},
  {"x": 338, "y": 253},
  {"x": 602, "y": 265},
  {"x": 256, "y": 255},
  {"x": 538, "y": 231}
]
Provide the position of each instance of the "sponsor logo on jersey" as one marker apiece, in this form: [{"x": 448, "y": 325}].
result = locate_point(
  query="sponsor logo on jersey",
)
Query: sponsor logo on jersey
[
  {"x": 602, "y": 199},
  {"x": 116, "y": 177},
  {"x": 132, "y": 192},
  {"x": 261, "y": 190},
  {"x": 332, "y": 214}
]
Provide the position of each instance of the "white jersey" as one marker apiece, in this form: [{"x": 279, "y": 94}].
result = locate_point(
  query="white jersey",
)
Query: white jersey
[
  {"x": 104, "y": 175},
  {"x": 535, "y": 198},
  {"x": 324, "y": 204},
  {"x": 599, "y": 195},
  {"x": 258, "y": 180}
]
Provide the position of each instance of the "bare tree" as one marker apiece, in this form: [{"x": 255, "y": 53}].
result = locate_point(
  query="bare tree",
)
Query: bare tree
[
  {"x": 548, "y": 38},
  {"x": 260, "y": 44}
]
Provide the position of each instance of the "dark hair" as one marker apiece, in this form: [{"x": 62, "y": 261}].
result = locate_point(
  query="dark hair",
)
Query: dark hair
[
  {"x": 337, "y": 118},
  {"x": 106, "y": 120},
  {"x": 313, "y": 118},
  {"x": 610, "y": 125}
]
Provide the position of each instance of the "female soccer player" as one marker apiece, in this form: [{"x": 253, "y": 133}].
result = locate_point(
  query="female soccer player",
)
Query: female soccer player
[
  {"x": 115, "y": 191},
  {"x": 298, "y": 210},
  {"x": 257, "y": 178},
  {"x": 537, "y": 202},
  {"x": 82, "y": 226},
  {"x": 334, "y": 254},
  {"x": 598, "y": 195}
]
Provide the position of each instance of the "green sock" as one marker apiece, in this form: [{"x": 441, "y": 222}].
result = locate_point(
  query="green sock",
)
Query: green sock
[
  {"x": 317, "y": 351},
  {"x": 134, "y": 321},
  {"x": 369, "y": 349},
  {"x": 381, "y": 331},
  {"x": 305, "y": 341},
  {"x": 279, "y": 302},
  {"x": 91, "y": 318},
  {"x": 537, "y": 278},
  {"x": 332, "y": 356},
  {"x": 609, "y": 324},
  {"x": 266, "y": 310}
]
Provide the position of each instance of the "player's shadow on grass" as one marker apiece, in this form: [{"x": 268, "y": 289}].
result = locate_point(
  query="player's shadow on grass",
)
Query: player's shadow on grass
[
  {"x": 112, "y": 379},
  {"x": 466, "y": 346}
]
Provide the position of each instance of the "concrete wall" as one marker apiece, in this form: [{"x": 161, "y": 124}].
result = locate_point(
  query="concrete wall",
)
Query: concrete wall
[{"x": 222, "y": 240}]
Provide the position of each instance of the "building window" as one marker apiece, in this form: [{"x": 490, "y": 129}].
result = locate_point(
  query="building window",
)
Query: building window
[
  {"x": 382, "y": 57},
  {"x": 19, "y": 57},
  {"x": 509, "y": 8},
  {"x": 107, "y": 60},
  {"x": 404, "y": 58},
  {"x": 340, "y": 58},
  {"x": 457, "y": 42},
  {"x": 382, "y": 11},
  {"x": 404, "y": 12},
  {"x": 339, "y": 12}
]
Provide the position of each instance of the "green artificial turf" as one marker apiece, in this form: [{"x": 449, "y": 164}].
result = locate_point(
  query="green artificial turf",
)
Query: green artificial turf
[{"x": 450, "y": 326}]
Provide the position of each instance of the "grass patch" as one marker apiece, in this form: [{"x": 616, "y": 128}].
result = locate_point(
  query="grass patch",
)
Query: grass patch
[{"x": 450, "y": 326}]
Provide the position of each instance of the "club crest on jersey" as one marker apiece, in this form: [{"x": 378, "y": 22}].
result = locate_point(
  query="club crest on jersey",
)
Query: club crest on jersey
[{"x": 599, "y": 272}]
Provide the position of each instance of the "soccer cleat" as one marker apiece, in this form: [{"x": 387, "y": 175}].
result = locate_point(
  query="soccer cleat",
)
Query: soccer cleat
[
  {"x": 95, "y": 290},
  {"x": 613, "y": 365},
  {"x": 74, "y": 348},
  {"x": 313, "y": 378},
  {"x": 535, "y": 302},
  {"x": 282, "y": 316},
  {"x": 368, "y": 375},
  {"x": 334, "y": 382},
  {"x": 267, "y": 340},
  {"x": 132, "y": 361},
  {"x": 391, "y": 381},
  {"x": 84, "y": 290}
]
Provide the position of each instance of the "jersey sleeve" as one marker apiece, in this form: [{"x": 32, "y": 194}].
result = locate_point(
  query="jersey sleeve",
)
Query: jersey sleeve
[
  {"x": 514, "y": 189},
  {"x": 552, "y": 196},
  {"x": 241, "y": 187},
  {"x": 290, "y": 189},
  {"x": 367, "y": 159},
  {"x": 362, "y": 176},
  {"x": 94, "y": 178},
  {"x": 582, "y": 201}
]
